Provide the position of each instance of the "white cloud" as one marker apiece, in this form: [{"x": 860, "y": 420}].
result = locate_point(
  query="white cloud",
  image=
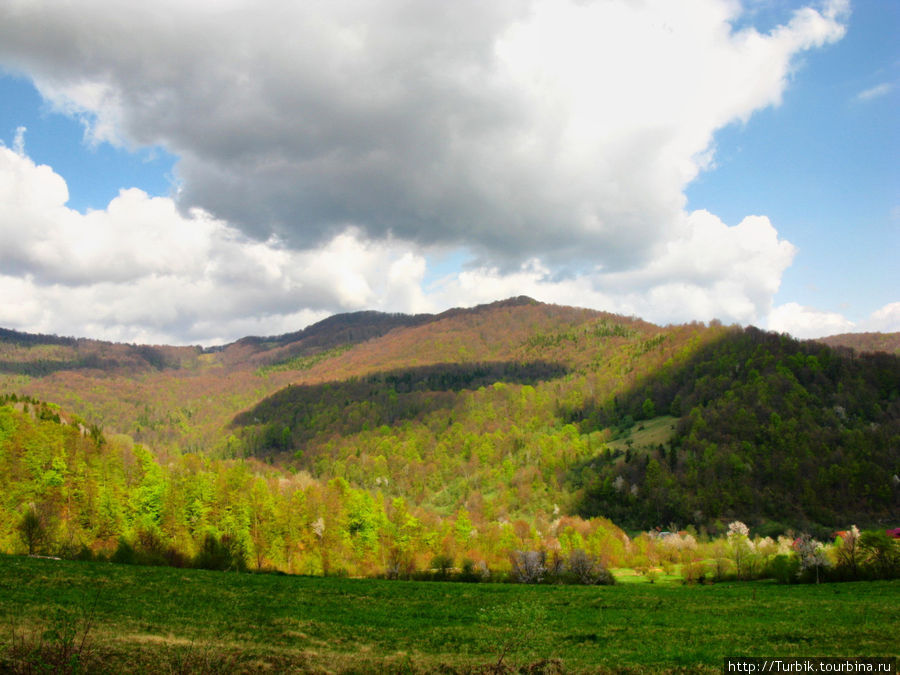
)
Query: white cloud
[
  {"x": 885, "y": 319},
  {"x": 710, "y": 271},
  {"x": 875, "y": 92},
  {"x": 565, "y": 129},
  {"x": 326, "y": 148},
  {"x": 141, "y": 271},
  {"x": 809, "y": 322}
]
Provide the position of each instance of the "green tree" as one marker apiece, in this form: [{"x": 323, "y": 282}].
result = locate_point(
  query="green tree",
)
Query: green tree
[{"x": 32, "y": 529}]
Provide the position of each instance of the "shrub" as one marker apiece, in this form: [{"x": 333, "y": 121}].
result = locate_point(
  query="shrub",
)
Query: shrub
[
  {"x": 124, "y": 553},
  {"x": 149, "y": 548},
  {"x": 32, "y": 528},
  {"x": 468, "y": 571},
  {"x": 783, "y": 568},
  {"x": 528, "y": 567},
  {"x": 220, "y": 554},
  {"x": 441, "y": 566},
  {"x": 881, "y": 553},
  {"x": 587, "y": 568},
  {"x": 400, "y": 564}
]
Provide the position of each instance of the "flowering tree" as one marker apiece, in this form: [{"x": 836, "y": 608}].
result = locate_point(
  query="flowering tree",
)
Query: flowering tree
[
  {"x": 811, "y": 554},
  {"x": 741, "y": 546}
]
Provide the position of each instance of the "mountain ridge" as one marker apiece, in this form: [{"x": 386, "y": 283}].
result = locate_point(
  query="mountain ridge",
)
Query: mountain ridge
[
  {"x": 511, "y": 408},
  {"x": 334, "y": 329}
]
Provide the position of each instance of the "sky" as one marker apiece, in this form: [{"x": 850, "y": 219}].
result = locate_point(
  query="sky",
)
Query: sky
[{"x": 191, "y": 173}]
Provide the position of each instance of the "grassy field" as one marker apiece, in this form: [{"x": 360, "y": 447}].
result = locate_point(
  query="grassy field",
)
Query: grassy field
[
  {"x": 137, "y": 619},
  {"x": 647, "y": 435}
]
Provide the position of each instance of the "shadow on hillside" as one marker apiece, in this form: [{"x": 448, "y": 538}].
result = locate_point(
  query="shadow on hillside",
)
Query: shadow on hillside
[
  {"x": 772, "y": 430},
  {"x": 300, "y": 412}
]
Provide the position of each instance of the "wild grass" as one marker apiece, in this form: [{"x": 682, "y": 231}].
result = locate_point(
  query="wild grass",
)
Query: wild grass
[
  {"x": 137, "y": 619},
  {"x": 646, "y": 435}
]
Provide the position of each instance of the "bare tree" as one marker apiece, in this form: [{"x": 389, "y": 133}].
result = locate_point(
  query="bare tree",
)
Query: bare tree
[
  {"x": 528, "y": 567},
  {"x": 587, "y": 568}
]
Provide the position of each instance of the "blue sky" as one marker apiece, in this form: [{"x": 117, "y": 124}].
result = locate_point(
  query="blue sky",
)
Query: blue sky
[
  {"x": 823, "y": 165},
  {"x": 195, "y": 175},
  {"x": 95, "y": 172}
]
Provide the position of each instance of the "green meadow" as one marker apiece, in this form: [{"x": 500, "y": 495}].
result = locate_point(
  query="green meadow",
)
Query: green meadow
[{"x": 67, "y": 616}]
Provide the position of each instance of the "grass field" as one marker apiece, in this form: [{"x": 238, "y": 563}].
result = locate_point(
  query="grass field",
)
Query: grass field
[
  {"x": 647, "y": 435},
  {"x": 138, "y": 619}
]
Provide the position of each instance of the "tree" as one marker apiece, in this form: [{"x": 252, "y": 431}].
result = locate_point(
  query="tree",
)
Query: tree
[
  {"x": 528, "y": 567},
  {"x": 32, "y": 529},
  {"x": 849, "y": 551},
  {"x": 586, "y": 568},
  {"x": 811, "y": 553},
  {"x": 741, "y": 546},
  {"x": 881, "y": 552}
]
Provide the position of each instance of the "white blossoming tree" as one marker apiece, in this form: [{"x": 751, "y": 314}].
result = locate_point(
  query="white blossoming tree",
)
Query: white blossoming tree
[{"x": 811, "y": 554}]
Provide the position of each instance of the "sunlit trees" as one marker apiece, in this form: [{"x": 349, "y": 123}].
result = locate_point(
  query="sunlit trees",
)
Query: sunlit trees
[{"x": 741, "y": 546}]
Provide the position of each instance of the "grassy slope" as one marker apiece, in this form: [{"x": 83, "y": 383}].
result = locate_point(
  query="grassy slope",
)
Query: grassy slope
[
  {"x": 166, "y": 619},
  {"x": 647, "y": 435}
]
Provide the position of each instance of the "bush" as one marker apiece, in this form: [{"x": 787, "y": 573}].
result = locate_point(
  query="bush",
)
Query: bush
[
  {"x": 220, "y": 554},
  {"x": 124, "y": 553},
  {"x": 783, "y": 568},
  {"x": 881, "y": 554},
  {"x": 693, "y": 572},
  {"x": 528, "y": 567},
  {"x": 33, "y": 529},
  {"x": 441, "y": 567},
  {"x": 149, "y": 548},
  {"x": 400, "y": 564},
  {"x": 586, "y": 568},
  {"x": 469, "y": 572}
]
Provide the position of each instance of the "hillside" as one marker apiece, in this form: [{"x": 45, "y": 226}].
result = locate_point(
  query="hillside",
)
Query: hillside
[
  {"x": 865, "y": 342},
  {"x": 469, "y": 420}
]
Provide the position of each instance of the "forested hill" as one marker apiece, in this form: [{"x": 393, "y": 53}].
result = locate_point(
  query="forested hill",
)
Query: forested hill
[
  {"x": 513, "y": 410},
  {"x": 865, "y": 342},
  {"x": 769, "y": 428}
]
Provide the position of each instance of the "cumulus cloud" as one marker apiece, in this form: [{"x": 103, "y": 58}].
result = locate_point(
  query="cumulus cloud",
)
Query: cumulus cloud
[
  {"x": 141, "y": 271},
  {"x": 709, "y": 271},
  {"x": 327, "y": 150},
  {"x": 884, "y": 320},
  {"x": 560, "y": 129},
  {"x": 809, "y": 322}
]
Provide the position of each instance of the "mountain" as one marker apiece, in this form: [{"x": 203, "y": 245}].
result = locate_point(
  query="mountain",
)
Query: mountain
[
  {"x": 513, "y": 411},
  {"x": 865, "y": 342}
]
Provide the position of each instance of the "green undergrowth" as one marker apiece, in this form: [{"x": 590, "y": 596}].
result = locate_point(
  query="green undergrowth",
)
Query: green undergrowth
[{"x": 109, "y": 618}]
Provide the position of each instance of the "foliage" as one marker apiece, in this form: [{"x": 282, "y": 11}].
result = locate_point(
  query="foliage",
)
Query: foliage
[
  {"x": 369, "y": 444},
  {"x": 773, "y": 430}
]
